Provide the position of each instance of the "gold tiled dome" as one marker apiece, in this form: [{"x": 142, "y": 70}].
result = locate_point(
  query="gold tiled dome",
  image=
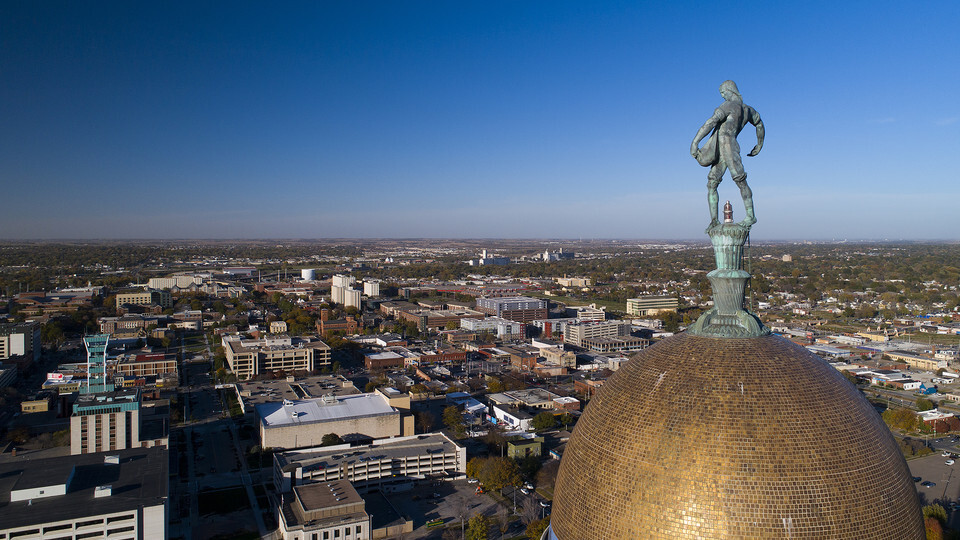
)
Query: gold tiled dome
[{"x": 705, "y": 437}]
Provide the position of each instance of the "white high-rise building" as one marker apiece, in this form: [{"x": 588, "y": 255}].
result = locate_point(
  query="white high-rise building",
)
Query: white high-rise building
[
  {"x": 351, "y": 297},
  {"x": 340, "y": 280},
  {"x": 339, "y": 286},
  {"x": 371, "y": 287}
]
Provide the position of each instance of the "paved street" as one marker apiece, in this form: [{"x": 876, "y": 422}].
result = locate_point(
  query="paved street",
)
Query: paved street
[{"x": 215, "y": 459}]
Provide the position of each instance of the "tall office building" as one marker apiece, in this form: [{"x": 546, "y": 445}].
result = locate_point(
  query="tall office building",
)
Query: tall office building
[
  {"x": 106, "y": 419},
  {"x": 22, "y": 339}
]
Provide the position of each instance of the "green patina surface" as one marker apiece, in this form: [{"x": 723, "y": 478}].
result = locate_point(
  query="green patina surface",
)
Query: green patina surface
[{"x": 727, "y": 317}]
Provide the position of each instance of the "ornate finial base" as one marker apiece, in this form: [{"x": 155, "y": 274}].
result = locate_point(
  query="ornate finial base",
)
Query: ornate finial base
[{"x": 727, "y": 318}]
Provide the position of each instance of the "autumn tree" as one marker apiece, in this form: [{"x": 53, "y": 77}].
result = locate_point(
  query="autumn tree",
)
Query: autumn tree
[
  {"x": 499, "y": 472},
  {"x": 478, "y": 528},
  {"x": 935, "y": 511},
  {"x": 934, "y": 528},
  {"x": 535, "y": 529},
  {"x": 902, "y": 419}
]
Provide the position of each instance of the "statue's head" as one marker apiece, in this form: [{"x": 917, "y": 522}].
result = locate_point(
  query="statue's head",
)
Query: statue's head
[{"x": 729, "y": 91}]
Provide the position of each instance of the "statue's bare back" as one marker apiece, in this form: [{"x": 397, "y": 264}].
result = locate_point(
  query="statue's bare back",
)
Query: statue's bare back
[{"x": 722, "y": 151}]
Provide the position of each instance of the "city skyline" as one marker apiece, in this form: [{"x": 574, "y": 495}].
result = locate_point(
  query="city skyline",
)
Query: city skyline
[{"x": 478, "y": 120}]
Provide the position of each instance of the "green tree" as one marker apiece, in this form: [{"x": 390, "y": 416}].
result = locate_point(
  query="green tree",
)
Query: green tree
[
  {"x": 529, "y": 465},
  {"x": 51, "y": 333},
  {"x": 495, "y": 385},
  {"x": 453, "y": 419},
  {"x": 850, "y": 377},
  {"x": 478, "y": 528},
  {"x": 924, "y": 404},
  {"x": 330, "y": 439},
  {"x": 544, "y": 420}
]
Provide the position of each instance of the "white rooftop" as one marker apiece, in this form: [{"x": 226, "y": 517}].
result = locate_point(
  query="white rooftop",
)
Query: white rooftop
[
  {"x": 324, "y": 409},
  {"x": 934, "y": 414},
  {"x": 387, "y": 355}
]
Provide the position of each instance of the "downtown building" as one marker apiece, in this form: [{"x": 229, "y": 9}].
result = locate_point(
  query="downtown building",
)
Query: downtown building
[
  {"x": 300, "y": 423},
  {"x": 118, "y": 496},
  {"x": 22, "y": 339},
  {"x": 651, "y": 305},
  {"x": 106, "y": 419},
  {"x": 146, "y": 297},
  {"x": 247, "y": 358},
  {"x": 515, "y": 308},
  {"x": 502, "y": 328}
]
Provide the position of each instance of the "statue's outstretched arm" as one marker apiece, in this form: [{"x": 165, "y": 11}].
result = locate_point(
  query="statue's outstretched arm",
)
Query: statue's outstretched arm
[
  {"x": 756, "y": 121},
  {"x": 707, "y": 126}
]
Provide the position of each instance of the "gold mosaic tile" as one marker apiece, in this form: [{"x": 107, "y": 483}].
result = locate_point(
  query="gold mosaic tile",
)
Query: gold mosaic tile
[{"x": 700, "y": 437}]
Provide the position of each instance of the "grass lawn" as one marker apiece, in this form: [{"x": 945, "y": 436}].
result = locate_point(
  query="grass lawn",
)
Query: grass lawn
[{"x": 610, "y": 305}]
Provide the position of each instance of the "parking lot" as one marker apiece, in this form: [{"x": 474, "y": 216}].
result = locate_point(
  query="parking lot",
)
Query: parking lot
[
  {"x": 933, "y": 468},
  {"x": 444, "y": 500}
]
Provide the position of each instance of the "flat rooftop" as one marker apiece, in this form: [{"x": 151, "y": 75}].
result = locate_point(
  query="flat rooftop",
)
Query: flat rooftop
[
  {"x": 308, "y": 411},
  {"x": 257, "y": 392},
  {"x": 531, "y": 395},
  {"x": 401, "y": 447},
  {"x": 140, "y": 479},
  {"x": 127, "y": 395},
  {"x": 328, "y": 495}
]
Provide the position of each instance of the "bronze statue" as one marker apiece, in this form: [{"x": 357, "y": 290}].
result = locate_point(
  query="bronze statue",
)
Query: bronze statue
[{"x": 722, "y": 152}]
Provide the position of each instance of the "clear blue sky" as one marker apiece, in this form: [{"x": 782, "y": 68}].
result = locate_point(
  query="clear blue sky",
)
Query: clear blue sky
[{"x": 472, "y": 119}]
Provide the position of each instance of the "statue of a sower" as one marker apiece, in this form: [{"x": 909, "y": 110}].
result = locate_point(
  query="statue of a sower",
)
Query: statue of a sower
[{"x": 722, "y": 152}]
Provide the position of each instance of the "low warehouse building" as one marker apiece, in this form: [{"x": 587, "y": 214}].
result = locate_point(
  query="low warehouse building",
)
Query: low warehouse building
[{"x": 302, "y": 423}]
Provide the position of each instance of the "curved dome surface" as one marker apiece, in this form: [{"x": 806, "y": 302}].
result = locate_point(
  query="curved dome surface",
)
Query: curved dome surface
[{"x": 702, "y": 437}]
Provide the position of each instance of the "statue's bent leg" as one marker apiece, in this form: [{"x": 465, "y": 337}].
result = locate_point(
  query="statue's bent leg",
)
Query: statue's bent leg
[
  {"x": 713, "y": 199},
  {"x": 747, "y": 195}
]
